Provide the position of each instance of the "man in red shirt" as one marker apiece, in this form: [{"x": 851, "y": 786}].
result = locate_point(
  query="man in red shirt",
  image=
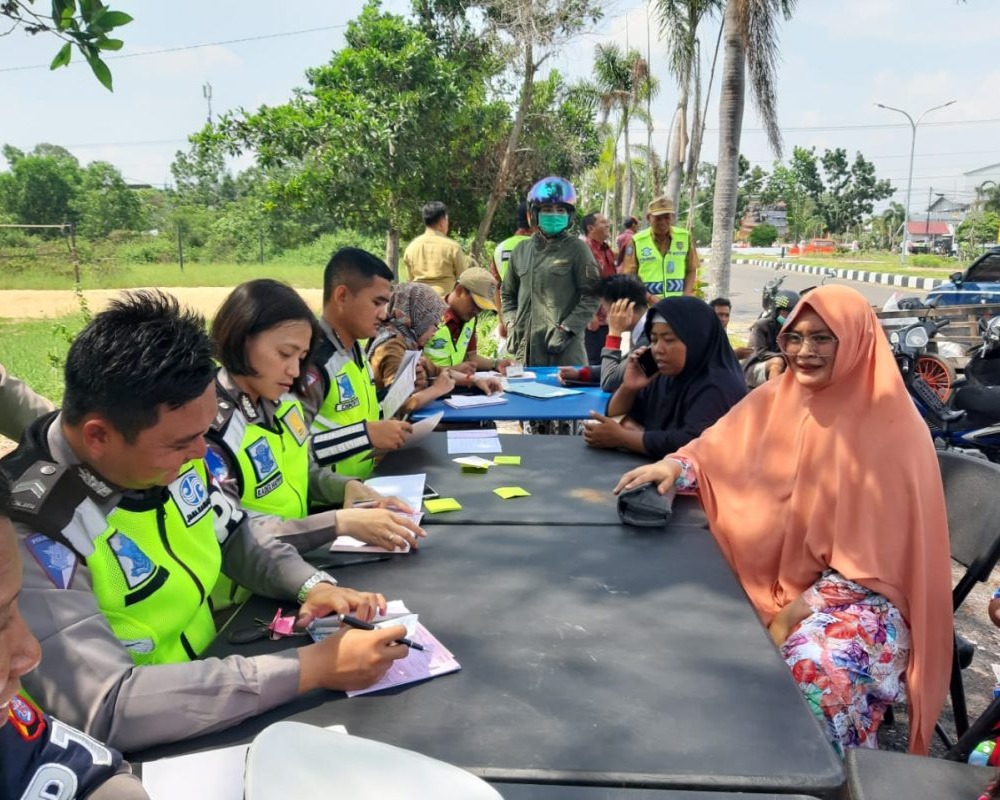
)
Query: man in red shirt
[
  {"x": 596, "y": 229},
  {"x": 631, "y": 224}
]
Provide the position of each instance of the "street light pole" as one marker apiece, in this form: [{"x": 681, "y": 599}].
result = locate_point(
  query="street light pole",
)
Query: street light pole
[{"x": 909, "y": 179}]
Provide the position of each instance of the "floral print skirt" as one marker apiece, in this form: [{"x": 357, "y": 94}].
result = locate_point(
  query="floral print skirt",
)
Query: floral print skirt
[{"x": 849, "y": 658}]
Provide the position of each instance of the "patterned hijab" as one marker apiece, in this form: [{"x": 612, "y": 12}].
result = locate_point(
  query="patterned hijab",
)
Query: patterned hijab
[{"x": 413, "y": 310}]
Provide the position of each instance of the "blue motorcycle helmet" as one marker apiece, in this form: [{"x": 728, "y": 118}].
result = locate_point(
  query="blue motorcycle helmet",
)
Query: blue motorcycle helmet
[{"x": 551, "y": 191}]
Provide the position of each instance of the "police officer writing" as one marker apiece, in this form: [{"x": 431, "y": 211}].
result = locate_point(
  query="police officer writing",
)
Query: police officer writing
[
  {"x": 264, "y": 336},
  {"x": 123, "y": 534},
  {"x": 340, "y": 398},
  {"x": 662, "y": 255}
]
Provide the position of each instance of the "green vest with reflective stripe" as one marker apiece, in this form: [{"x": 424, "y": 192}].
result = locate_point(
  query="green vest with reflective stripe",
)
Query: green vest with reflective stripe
[
  {"x": 153, "y": 568},
  {"x": 445, "y": 353},
  {"x": 350, "y": 399},
  {"x": 273, "y": 465},
  {"x": 501, "y": 256},
  {"x": 662, "y": 274}
]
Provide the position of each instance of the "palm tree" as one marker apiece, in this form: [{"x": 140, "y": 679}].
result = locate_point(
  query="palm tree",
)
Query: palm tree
[
  {"x": 679, "y": 21},
  {"x": 750, "y": 34},
  {"x": 623, "y": 83}
]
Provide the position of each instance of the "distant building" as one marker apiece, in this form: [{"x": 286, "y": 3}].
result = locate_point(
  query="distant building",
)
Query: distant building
[
  {"x": 760, "y": 214},
  {"x": 977, "y": 177},
  {"x": 945, "y": 210}
]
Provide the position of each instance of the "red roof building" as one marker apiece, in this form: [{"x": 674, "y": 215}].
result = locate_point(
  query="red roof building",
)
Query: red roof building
[{"x": 924, "y": 228}]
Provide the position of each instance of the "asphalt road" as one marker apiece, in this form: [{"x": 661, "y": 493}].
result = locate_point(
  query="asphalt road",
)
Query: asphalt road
[{"x": 747, "y": 281}]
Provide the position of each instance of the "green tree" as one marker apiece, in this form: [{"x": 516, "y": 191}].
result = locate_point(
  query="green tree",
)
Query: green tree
[
  {"x": 39, "y": 189},
  {"x": 850, "y": 190},
  {"x": 623, "y": 84},
  {"x": 750, "y": 41},
  {"x": 977, "y": 229},
  {"x": 679, "y": 24},
  {"x": 763, "y": 235},
  {"x": 104, "y": 203},
  {"x": 200, "y": 175},
  {"x": 388, "y": 124},
  {"x": 84, "y": 25}
]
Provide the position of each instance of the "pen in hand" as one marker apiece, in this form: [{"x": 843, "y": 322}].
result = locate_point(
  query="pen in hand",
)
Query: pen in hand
[{"x": 354, "y": 622}]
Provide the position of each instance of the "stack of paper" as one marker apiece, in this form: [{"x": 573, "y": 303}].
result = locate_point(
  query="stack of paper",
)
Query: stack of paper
[
  {"x": 479, "y": 440},
  {"x": 474, "y": 400}
]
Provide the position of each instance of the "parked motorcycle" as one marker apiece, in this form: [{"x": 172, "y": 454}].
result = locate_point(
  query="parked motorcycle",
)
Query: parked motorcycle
[{"x": 968, "y": 419}]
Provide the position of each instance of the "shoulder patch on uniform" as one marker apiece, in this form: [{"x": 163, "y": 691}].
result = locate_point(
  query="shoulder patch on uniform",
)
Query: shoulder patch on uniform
[
  {"x": 224, "y": 408},
  {"x": 45, "y": 497},
  {"x": 26, "y": 718},
  {"x": 57, "y": 561},
  {"x": 216, "y": 463}
]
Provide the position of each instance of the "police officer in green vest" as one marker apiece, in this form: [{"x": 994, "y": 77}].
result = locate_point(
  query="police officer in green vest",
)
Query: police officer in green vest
[
  {"x": 259, "y": 446},
  {"x": 662, "y": 255},
  {"x": 123, "y": 533},
  {"x": 340, "y": 401},
  {"x": 501, "y": 258},
  {"x": 454, "y": 343}
]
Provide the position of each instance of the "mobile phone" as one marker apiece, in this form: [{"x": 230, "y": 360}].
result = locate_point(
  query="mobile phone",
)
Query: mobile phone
[
  {"x": 648, "y": 364},
  {"x": 430, "y": 492}
]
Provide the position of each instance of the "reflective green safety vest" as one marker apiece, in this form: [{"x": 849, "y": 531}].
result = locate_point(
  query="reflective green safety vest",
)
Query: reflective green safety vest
[
  {"x": 501, "y": 255},
  {"x": 153, "y": 567},
  {"x": 273, "y": 466},
  {"x": 662, "y": 274},
  {"x": 443, "y": 351},
  {"x": 350, "y": 402}
]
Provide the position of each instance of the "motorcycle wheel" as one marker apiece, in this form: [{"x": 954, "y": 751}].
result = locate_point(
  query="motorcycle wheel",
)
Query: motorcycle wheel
[{"x": 938, "y": 373}]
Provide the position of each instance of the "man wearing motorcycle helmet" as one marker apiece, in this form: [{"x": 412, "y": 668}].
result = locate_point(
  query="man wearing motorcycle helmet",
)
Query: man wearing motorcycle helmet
[
  {"x": 766, "y": 360},
  {"x": 550, "y": 291}
]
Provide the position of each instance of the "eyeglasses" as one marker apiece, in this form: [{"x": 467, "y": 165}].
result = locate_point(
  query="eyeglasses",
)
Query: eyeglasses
[{"x": 821, "y": 344}]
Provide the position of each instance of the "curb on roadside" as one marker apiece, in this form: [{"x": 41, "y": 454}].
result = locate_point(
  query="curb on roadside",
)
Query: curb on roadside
[{"x": 864, "y": 276}]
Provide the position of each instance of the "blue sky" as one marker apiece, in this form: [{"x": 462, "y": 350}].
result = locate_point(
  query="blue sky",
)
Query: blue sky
[{"x": 838, "y": 59}]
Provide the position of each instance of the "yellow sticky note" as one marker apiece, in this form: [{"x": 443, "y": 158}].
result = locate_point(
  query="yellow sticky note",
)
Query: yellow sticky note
[
  {"x": 439, "y": 504},
  {"x": 507, "y": 492},
  {"x": 513, "y": 461}
]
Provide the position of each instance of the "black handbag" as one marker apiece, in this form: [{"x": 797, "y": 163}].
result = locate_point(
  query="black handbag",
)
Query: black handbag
[{"x": 644, "y": 507}]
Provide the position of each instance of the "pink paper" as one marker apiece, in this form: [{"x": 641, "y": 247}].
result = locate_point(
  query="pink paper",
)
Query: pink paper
[{"x": 436, "y": 659}]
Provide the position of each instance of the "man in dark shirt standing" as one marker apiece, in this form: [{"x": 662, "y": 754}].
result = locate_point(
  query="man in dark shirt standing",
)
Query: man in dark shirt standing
[{"x": 596, "y": 229}]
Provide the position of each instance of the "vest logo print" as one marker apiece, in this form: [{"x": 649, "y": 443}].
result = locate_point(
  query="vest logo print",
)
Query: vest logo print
[
  {"x": 647, "y": 252},
  {"x": 136, "y": 566},
  {"x": 191, "y": 497},
  {"x": 262, "y": 459},
  {"x": 270, "y": 486},
  {"x": 348, "y": 397},
  {"x": 296, "y": 425},
  {"x": 57, "y": 560},
  {"x": 140, "y": 646}
]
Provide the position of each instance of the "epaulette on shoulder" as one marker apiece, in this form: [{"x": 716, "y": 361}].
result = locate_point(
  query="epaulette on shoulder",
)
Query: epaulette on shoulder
[
  {"x": 224, "y": 409},
  {"x": 45, "y": 497}
]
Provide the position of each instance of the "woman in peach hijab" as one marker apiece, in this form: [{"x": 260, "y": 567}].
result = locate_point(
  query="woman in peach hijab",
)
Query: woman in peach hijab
[{"x": 823, "y": 491}]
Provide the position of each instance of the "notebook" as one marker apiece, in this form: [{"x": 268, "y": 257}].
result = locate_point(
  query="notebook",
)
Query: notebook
[{"x": 541, "y": 391}]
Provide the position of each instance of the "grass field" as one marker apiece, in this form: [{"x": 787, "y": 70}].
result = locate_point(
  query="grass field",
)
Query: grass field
[
  {"x": 25, "y": 348},
  {"x": 305, "y": 276}
]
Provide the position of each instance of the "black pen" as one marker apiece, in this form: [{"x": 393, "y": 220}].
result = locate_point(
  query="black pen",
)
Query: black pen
[{"x": 354, "y": 622}]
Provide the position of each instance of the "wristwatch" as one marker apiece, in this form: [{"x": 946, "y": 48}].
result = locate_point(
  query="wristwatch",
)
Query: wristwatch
[{"x": 314, "y": 579}]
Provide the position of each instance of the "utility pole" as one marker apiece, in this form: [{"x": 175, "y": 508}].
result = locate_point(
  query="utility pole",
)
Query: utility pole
[
  {"x": 206, "y": 92},
  {"x": 927, "y": 224}
]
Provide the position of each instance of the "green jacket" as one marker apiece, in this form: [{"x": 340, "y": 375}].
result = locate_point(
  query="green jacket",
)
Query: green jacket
[{"x": 550, "y": 282}]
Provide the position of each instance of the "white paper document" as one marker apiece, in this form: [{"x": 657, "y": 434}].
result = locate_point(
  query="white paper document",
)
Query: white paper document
[
  {"x": 474, "y": 441},
  {"x": 541, "y": 391},
  {"x": 474, "y": 400},
  {"x": 422, "y": 429},
  {"x": 408, "y": 488},
  {"x": 402, "y": 386}
]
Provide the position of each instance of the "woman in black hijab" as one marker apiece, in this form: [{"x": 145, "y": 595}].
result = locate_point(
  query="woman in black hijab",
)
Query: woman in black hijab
[{"x": 696, "y": 380}]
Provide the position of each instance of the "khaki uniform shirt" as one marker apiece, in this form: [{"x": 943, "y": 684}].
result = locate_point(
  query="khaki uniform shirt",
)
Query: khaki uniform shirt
[{"x": 434, "y": 259}]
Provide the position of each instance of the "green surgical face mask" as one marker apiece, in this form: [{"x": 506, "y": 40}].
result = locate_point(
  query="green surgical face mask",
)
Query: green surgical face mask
[{"x": 552, "y": 223}]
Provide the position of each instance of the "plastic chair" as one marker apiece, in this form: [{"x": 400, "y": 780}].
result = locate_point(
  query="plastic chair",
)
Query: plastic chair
[{"x": 972, "y": 500}]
